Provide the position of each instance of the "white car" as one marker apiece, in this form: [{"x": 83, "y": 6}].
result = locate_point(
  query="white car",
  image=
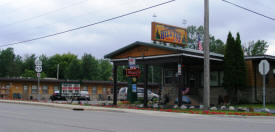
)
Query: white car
[{"x": 122, "y": 94}]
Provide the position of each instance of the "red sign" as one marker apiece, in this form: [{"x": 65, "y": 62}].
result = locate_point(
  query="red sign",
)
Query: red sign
[
  {"x": 133, "y": 72},
  {"x": 70, "y": 86}
]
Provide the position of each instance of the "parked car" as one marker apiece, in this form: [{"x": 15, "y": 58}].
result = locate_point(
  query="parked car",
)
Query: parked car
[
  {"x": 84, "y": 95},
  {"x": 122, "y": 94},
  {"x": 57, "y": 96}
]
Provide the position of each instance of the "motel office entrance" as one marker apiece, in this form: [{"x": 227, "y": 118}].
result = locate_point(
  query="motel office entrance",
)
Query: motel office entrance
[{"x": 168, "y": 58}]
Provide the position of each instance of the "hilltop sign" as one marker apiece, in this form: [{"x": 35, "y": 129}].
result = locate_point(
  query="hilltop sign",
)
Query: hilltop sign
[{"x": 169, "y": 34}]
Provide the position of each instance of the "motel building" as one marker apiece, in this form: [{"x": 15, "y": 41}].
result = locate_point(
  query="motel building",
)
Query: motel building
[
  {"x": 182, "y": 68},
  {"x": 26, "y": 88}
]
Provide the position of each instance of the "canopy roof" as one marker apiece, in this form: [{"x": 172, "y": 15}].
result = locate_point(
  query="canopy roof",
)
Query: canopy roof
[{"x": 143, "y": 49}]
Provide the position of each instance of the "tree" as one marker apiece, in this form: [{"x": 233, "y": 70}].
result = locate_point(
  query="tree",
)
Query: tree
[
  {"x": 216, "y": 46},
  {"x": 192, "y": 36},
  {"x": 10, "y": 63},
  {"x": 89, "y": 67},
  {"x": 73, "y": 71},
  {"x": 234, "y": 67},
  {"x": 258, "y": 48},
  {"x": 29, "y": 62},
  {"x": 105, "y": 69},
  {"x": 121, "y": 77},
  {"x": 63, "y": 60}
]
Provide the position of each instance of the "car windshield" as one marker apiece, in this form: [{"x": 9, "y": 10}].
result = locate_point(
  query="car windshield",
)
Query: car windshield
[
  {"x": 141, "y": 90},
  {"x": 123, "y": 90}
]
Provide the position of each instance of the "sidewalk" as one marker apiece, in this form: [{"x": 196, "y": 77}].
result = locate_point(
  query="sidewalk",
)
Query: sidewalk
[{"x": 110, "y": 109}]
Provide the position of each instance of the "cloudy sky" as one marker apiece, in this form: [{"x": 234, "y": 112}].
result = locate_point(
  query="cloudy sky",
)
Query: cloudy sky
[{"x": 27, "y": 19}]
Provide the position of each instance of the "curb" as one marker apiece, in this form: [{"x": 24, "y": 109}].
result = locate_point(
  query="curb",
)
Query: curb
[{"x": 147, "y": 112}]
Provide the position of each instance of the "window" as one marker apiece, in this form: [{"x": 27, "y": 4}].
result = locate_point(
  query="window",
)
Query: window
[
  {"x": 214, "y": 78},
  {"x": 56, "y": 88},
  {"x": 8, "y": 86},
  {"x": 104, "y": 91},
  {"x": 221, "y": 78},
  {"x": 25, "y": 88},
  {"x": 34, "y": 89},
  {"x": 94, "y": 90},
  {"x": 170, "y": 76},
  {"x": 85, "y": 88},
  {"x": 45, "y": 89}
]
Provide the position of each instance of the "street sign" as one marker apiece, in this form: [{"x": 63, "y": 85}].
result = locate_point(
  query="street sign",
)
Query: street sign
[
  {"x": 134, "y": 88},
  {"x": 264, "y": 67},
  {"x": 133, "y": 72},
  {"x": 38, "y": 62},
  {"x": 132, "y": 62},
  {"x": 38, "y": 74},
  {"x": 179, "y": 69},
  {"x": 38, "y": 68}
]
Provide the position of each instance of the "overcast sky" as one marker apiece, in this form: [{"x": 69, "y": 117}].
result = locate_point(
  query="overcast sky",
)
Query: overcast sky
[{"x": 27, "y": 19}]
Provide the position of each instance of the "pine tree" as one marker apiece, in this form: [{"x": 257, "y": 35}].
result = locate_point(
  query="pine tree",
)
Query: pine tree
[{"x": 235, "y": 70}]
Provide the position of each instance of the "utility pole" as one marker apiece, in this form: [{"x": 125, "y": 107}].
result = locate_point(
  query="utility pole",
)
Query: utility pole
[
  {"x": 152, "y": 74},
  {"x": 57, "y": 72},
  {"x": 206, "y": 89}
]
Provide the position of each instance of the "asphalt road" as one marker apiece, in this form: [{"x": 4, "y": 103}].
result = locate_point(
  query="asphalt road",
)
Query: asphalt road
[{"x": 28, "y": 118}]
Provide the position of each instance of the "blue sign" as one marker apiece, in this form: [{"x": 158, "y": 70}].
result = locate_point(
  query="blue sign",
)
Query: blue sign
[{"x": 134, "y": 88}]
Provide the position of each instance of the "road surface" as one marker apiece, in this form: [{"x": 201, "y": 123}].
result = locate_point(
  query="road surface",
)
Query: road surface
[{"x": 29, "y": 118}]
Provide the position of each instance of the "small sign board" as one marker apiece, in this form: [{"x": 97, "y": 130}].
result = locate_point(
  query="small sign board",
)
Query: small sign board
[
  {"x": 134, "y": 88},
  {"x": 167, "y": 33},
  {"x": 38, "y": 74},
  {"x": 179, "y": 69},
  {"x": 264, "y": 67},
  {"x": 132, "y": 62},
  {"x": 133, "y": 72},
  {"x": 38, "y": 68},
  {"x": 38, "y": 62}
]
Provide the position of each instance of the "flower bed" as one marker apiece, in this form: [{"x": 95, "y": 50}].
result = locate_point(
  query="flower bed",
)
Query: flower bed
[{"x": 195, "y": 111}]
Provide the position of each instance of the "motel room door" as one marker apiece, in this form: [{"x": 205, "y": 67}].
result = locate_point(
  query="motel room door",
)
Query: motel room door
[
  {"x": 193, "y": 82},
  {"x": 25, "y": 92}
]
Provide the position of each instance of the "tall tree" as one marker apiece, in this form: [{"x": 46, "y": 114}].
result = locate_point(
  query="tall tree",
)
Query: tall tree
[
  {"x": 120, "y": 74},
  {"x": 63, "y": 60},
  {"x": 105, "y": 69},
  {"x": 235, "y": 70},
  {"x": 216, "y": 45},
  {"x": 9, "y": 63},
  {"x": 192, "y": 36},
  {"x": 89, "y": 67},
  {"x": 255, "y": 48},
  {"x": 73, "y": 71},
  {"x": 28, "y": 62}
]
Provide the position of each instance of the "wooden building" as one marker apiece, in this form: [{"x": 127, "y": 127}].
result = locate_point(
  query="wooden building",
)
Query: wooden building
[
  {"x": 190, "y": 61},
  {"x": 25, "y": 88}
]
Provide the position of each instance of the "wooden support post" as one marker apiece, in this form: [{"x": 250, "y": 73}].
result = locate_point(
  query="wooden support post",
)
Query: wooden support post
[
  {"x": 115, "y": 85},
  {"x": 145, "y": 84}
]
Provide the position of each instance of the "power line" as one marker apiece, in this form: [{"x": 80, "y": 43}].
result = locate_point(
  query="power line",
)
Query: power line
[
  {"x": 77, "y": 28},
  {"x": 249, "y": 10},
  {"x": 44, "y": 14},
  {"x": 66, "y": 19}
]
